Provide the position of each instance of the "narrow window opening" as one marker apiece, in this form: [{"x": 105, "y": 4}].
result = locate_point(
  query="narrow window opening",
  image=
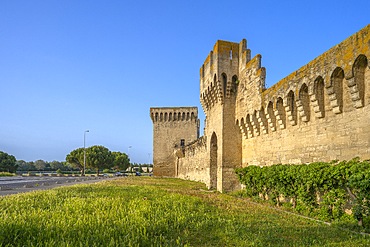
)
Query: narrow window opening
[
  {"x": 182, "y": 143},
  {"x": 319, "y": 93},
  {"x": 224, "y": 82}
]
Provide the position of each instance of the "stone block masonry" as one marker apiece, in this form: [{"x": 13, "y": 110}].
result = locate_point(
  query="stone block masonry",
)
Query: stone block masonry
[
  {"x": 173, "y": 129},
  {"x": 320, "y": 112}
]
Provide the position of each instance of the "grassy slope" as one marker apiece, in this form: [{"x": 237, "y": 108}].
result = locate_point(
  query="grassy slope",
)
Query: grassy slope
[{"x": 140, "y": 211}]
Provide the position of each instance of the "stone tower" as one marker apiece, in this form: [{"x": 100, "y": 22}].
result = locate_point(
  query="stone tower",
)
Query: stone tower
[
  {"x": 317, "y": 113},
  {"x": 173, "y": 128},
  {"x": 218, "y": 89}
]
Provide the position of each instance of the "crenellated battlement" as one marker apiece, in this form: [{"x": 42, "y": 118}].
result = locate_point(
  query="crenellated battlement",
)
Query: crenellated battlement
[
  {"x": 321, "y": 112},
  {"x": 332, "y": 84},
  {"x": 220, "y": 71},
  {"x": 169, "y": 114},
  {"x": 173, "y": 129}
]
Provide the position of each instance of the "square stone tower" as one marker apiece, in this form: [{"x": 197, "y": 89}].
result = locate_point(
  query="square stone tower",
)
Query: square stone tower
[
  {"x": 317, "y": 113},
  {"x": 218, "y": 89},
  {"x": 173, "y": 128}
]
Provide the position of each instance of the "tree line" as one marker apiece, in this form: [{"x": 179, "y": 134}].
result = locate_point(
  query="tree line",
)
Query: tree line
[
  {"x": 41, "y": 165},
  {"x": 96, "y": 158}
]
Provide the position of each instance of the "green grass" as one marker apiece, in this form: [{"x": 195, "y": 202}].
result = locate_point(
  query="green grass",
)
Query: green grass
[
  {"x": 6, "y": 174},
  {"x": 140, "y": 211}
]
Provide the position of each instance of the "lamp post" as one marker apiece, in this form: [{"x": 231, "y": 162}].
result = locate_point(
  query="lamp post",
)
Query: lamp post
[
  {"x": 128, "y": 155},
  {"x": 85, "y": 150}
]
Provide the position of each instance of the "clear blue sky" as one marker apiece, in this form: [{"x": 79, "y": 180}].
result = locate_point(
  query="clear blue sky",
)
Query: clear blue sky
[{"x": 67, "y": 66}]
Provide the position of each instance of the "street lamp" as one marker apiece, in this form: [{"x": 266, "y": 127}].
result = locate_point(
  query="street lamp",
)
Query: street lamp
[
  {"x": 128, "y": 155},
  {"x": 85, "y": 150},
  {"x": 149, "y": 162}
]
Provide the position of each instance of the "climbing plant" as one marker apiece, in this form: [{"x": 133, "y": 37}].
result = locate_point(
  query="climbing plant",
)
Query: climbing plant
[{"x": 321, "y": 189}]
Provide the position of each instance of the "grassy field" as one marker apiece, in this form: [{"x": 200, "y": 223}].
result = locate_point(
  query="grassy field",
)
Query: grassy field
[{"x": 144, "y": 211}]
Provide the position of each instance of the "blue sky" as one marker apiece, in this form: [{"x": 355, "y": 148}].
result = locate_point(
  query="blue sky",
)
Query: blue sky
[{"x": 75, "y": 65}]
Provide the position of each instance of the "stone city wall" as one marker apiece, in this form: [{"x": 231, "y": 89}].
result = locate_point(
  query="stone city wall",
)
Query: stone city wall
[
  {"x": 194, "y": 164},
  {"x": 320, "y": 112}
]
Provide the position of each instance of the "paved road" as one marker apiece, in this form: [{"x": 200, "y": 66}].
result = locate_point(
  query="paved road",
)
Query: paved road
[{"x": 19, "y": 184}]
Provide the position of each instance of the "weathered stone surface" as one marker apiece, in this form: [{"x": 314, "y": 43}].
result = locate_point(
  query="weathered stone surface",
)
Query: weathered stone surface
[
  {"x": 173, "y": 128},
  {"x": 320, "y": 112}
]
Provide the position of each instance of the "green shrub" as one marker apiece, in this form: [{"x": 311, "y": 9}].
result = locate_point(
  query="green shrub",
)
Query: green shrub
[
  {"x": 6, "y": 174},
  {"x": 318, "y": 189}
]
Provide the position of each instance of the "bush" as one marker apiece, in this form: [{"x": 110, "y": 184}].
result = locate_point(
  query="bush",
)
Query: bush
[
  {"x": 323, "y": 190},
  {"x": 6, "y": 174}
]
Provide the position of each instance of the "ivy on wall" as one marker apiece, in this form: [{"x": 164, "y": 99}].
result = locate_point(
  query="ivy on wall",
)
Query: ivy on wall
[{"x": 323, "y": 190}]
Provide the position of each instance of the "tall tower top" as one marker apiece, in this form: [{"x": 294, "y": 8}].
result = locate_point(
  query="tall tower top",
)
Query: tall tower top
[{"x": 220, "y": 71}]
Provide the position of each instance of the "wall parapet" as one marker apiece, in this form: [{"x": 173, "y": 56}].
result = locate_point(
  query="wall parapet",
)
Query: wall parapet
[
  {"x": 342, "y": 55},
  {"x": 316, "y": 88},
  {"x": 168, "y": 114},
  {"x": 320, "y": 112},
  {"x": 191, "y": 148}
]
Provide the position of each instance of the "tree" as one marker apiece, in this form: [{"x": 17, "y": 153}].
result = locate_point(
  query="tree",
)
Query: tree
[
  {"x": 99, "y": 157},
  {"x": 76, "y": 159},
  {"x": 7, "y": 162},
  {"x": 55, "y": 165},
  {"x": 25, "y": 166},
  {"x": 121, "y": 161},
  {"x": 69, "y": 167},
  {"x": 40, "y": 165}
]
